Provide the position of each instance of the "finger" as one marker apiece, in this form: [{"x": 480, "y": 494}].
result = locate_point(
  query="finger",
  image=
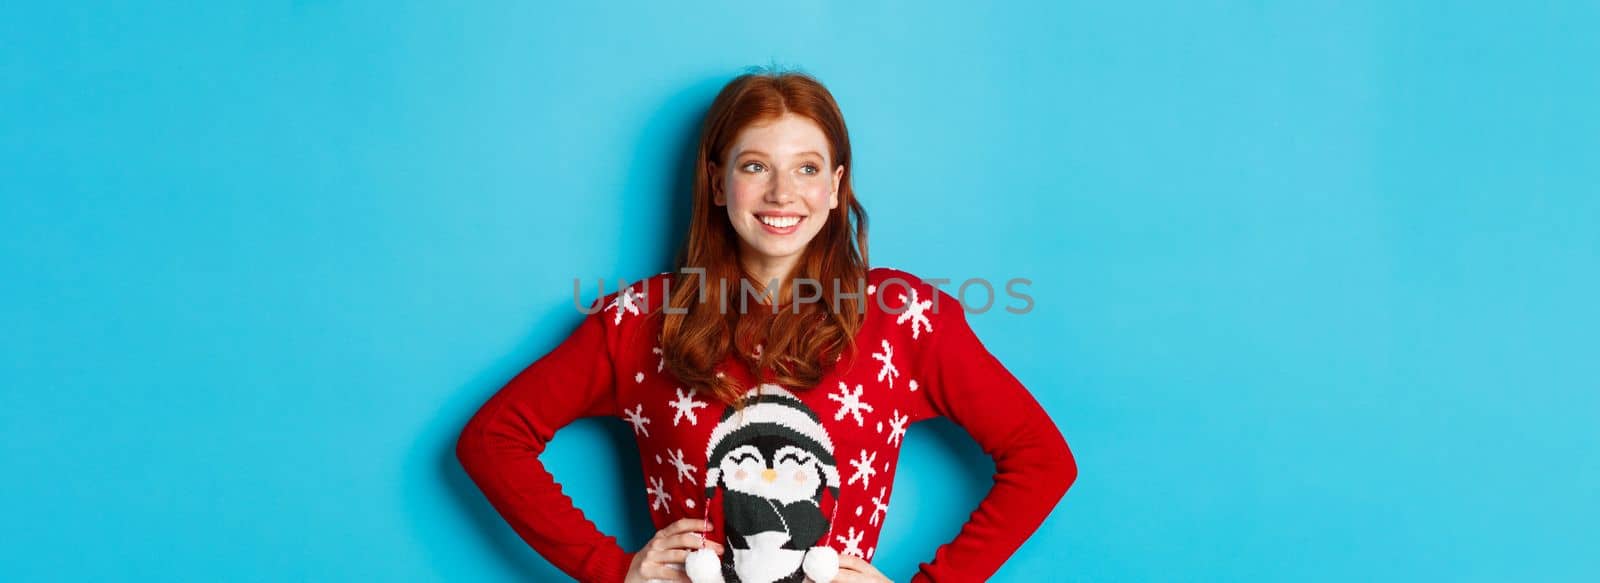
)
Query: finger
[
  {"x": 849, "y": 576},
  {"x": 859, "y": 565},
  {"x": 675, "y": 557},
  {"x": 663, "y": 571},
  {"x": 686, "y": 525},
  {"x": 853, "y": 569},
  {"x": 849, "y": 561},
  {"x": 690, "y": 540}
]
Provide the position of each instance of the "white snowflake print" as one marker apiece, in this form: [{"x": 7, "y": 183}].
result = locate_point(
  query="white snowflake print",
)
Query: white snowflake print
[
  {"x": 913, "y": 385},
  {"x": 897, "y": 428},
  {"x": 864, "y": 470},
  {"x": 638, "y": 377},
  {"x": 872, "y": 288},
  {"x": 915, "y": 312},
  {"x": 661, "y": 361},
  {"x": 675, "y": 457},
  {"x": 852, "y": 542},
  {"x": 685, "y": 406},
  {"x": 637, "y": 418},
  {"x": 850, "y": 404},
  {"x": 880, "y": 506},
  {"x": 627, "y": 301},
  {"x": 658, "y": 494},
  {"x": 888, "y": 369}
]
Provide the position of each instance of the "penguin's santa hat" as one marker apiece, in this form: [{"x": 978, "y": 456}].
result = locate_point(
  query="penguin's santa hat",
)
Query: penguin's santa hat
[{"x": 769, "y": 409}]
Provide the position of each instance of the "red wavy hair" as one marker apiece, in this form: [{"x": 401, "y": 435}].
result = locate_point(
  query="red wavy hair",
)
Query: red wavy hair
[{"x": 797, "y": 348}]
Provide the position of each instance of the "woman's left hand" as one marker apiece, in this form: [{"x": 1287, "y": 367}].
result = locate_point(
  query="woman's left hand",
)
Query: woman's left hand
[{"x": 853, "y": 569}]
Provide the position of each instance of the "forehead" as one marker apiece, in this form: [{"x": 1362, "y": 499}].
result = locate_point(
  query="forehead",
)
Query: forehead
[{"x": 786, "y": 136}]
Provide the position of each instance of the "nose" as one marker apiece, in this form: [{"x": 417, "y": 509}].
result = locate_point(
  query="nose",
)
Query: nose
[
  {"x": 769, "y": 475},
  {"x": 782, "y": 191}
]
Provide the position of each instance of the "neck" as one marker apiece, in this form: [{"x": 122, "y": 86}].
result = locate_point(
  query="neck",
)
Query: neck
[{"x": 767, "y": 270}]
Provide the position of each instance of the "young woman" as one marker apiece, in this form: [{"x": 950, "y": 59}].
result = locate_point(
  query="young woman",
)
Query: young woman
[{"x": 769, "y": 381}]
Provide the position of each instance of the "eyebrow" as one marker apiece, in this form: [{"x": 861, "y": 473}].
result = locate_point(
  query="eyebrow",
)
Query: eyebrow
[{"x": 761, "y": 153}]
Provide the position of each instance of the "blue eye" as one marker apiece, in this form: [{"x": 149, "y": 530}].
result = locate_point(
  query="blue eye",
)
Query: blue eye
[
  {"x": 749, "y": 164},
  {"x": 813, "y": 169}
]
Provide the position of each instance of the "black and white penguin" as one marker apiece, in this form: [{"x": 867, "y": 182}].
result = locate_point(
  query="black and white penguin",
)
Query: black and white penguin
[{"x": 774, "y": 465}]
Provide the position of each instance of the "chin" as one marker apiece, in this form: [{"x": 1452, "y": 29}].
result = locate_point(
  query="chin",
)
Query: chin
[
  {"x": 763, "y": 244},
  {"x": 777, "y": 251}
]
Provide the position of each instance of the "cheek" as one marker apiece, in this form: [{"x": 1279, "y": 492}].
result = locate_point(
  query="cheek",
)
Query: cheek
[
  {"x": 740, "y": 475},
  {"x": 744, "y": 193},
  {"x": 801, "y": 476},
  {"x": 817, "y": 198}
]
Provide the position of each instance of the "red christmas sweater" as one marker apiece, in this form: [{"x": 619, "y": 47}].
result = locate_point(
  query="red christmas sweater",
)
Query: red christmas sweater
[{"x": 797, "y": 468}]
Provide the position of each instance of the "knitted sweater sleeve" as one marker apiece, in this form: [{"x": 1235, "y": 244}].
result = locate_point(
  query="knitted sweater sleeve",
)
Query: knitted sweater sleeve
[
  {"x": 501, "y": 444},
  {"x": 1033, "y": 465}
]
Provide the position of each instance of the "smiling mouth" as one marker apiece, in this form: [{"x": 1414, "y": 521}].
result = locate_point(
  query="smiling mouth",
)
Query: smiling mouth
[{"x": 779, "y": 222}]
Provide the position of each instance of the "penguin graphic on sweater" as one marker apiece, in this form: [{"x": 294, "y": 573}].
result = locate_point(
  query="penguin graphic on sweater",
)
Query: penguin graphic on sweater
[{"x": 774, "y": 465}]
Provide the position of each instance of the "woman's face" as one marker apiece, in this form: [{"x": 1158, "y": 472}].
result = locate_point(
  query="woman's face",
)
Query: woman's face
[{"x": 777, "y": 185}]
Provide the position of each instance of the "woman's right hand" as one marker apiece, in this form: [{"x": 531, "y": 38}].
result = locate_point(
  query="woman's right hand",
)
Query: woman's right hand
[{"x": 662, "y": 558}]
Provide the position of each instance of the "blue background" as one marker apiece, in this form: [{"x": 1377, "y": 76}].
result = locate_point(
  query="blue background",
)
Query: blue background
[{"x": 1315, "y": 282}]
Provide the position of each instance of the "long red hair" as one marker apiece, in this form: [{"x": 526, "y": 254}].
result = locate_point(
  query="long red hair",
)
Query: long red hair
[{"x": 797, "y": 348}]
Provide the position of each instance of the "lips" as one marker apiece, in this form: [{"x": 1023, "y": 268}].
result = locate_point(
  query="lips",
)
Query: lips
[{"x": 780, "y": 223}]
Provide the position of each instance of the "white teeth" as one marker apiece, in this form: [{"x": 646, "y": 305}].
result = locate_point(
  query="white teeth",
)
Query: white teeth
[{"x": 779, "y": 222}]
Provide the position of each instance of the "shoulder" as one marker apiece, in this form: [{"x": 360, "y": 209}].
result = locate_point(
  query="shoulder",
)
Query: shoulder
[
  {"x": 892, "y": 279},
  {"x": 911, "y": 308},
  {"x": 895, "y": 283},
  {"x": 642, "y": 292},
  {"x": 626, "y": 312},
  {"x": 630, "y": 303}
]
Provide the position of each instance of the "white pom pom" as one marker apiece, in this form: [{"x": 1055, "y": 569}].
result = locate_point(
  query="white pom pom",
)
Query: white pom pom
[
  {"x": 703, "y": 566},
  {"x": 821, "y": 564}
]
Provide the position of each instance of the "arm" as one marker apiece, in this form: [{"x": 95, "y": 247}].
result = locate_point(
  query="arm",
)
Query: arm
[
  {"x": 1033, "y": 465},
  {"x": 500, "y": 447}
]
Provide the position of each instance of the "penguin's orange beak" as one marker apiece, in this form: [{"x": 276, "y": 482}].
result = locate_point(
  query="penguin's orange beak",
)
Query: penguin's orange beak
[{"x": 770, "y": 475}]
